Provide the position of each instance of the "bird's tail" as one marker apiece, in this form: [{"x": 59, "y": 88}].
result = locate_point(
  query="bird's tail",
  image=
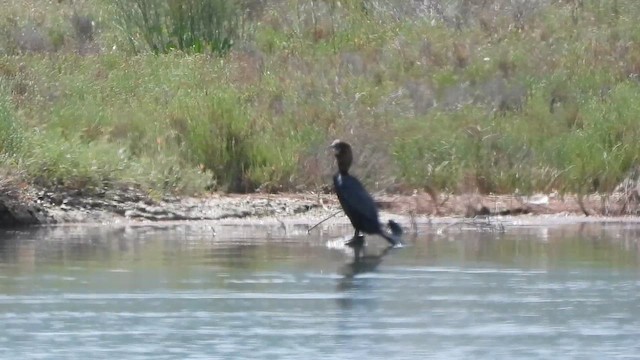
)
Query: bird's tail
[{"x": 395, "y": 238}]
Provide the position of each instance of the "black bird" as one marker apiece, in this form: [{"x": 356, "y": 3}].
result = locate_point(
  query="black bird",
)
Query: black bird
[
  {"x": 356, "y": 201},
  {"x": 357, "y": 243}
]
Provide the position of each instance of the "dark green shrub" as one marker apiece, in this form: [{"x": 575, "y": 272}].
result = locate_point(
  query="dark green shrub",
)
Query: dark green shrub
[{"x": 199, "y": 26}]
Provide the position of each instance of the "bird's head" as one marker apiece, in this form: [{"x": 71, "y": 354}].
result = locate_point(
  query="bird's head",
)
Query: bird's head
[
  {"x": 344, "y": 156},
  {"x": 340, "y": 147}
]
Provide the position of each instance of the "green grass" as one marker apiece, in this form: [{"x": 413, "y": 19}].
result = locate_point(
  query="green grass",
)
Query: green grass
[{"x": 477, "y": 99}]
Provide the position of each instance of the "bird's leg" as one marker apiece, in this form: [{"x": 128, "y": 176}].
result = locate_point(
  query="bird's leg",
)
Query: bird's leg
[{"x": 356, "y": 241}]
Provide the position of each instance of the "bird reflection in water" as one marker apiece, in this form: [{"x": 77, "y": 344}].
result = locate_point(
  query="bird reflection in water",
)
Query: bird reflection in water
[{"x": 362, "y": 263}]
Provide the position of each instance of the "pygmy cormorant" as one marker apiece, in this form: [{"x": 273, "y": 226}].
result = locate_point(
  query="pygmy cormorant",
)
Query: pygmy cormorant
[{"x": 356, "y": 201}]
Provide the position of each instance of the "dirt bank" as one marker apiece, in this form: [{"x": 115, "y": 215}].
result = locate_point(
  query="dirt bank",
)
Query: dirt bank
[{"x": 27, "y": 206}]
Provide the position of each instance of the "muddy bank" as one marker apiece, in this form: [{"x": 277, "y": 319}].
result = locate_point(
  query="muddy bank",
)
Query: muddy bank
[
  {"x": 130, "y": 205},
  {"x": 15, "y": 211},
  {"x": 20, "y": 207}
]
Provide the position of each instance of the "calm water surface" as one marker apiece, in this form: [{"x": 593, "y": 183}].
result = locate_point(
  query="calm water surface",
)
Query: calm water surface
[{"x": 179, "y": 292}]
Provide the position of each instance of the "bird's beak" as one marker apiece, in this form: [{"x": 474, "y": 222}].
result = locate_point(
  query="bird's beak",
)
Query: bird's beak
[{"x": 334, "y": 146}]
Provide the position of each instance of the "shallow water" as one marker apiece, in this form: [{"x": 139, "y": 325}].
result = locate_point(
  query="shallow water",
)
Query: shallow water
[{"x": 205, "y": 291}]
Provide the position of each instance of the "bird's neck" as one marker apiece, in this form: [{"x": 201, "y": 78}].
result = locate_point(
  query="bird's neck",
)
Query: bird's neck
[
  {"x": 344, "y": 163},
  {"x": 343, "y": 170}
]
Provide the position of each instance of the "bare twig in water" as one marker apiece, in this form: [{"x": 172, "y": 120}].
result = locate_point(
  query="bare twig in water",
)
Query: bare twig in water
[{"x": 316, "y": 225}]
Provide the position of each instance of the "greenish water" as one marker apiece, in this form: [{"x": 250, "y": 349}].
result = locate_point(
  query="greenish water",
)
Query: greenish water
[{"x": 179, "y": 292}]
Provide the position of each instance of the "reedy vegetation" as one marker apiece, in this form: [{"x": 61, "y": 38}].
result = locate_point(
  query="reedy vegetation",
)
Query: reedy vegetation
[{"x": 493, "y": 96}]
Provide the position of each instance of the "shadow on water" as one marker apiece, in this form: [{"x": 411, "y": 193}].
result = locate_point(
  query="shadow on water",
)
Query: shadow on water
[{"x": 192, "y": 291}]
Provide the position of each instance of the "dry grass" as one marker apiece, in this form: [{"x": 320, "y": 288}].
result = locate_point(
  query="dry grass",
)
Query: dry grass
[{"x": 452, "y": 96}]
